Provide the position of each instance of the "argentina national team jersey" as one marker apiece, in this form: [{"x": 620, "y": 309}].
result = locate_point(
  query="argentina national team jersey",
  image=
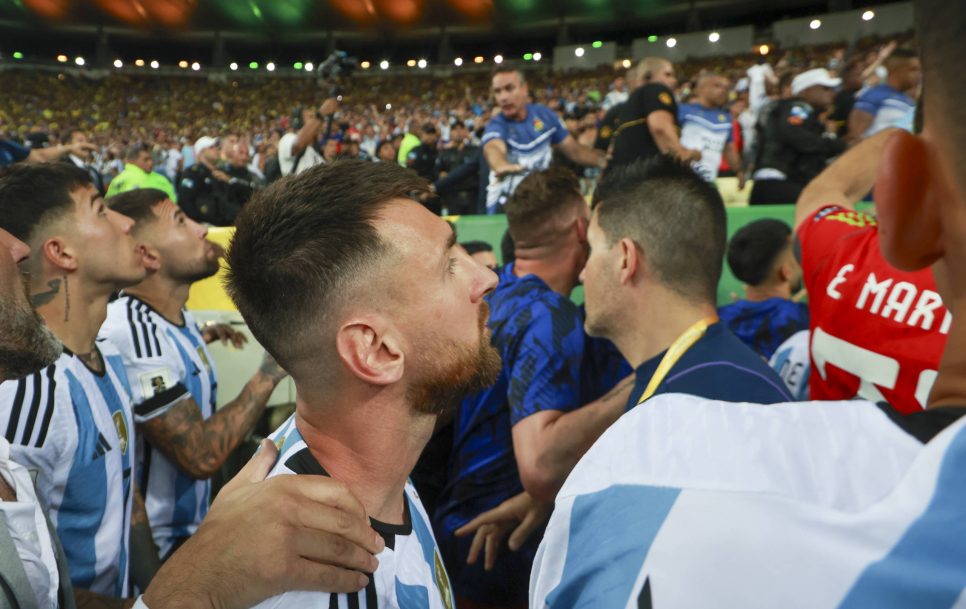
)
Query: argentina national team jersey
[
  {"x": 708, "y": 130},
  {"x": 73, "y": 428},
  {"x": 529, "y": 143},
  {"x": 688, "y": 503},
  {"x": 410, "y": 573},
  {"x": 165, "y": 364}
]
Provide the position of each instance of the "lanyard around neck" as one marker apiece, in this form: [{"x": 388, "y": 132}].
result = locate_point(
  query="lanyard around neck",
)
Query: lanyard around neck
[{"x": 677, "y": 349}]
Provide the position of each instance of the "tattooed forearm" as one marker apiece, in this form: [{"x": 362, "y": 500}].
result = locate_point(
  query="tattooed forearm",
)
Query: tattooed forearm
[
  {"x": 271, "y": 369},
  {"x": 199, "y": 446},
  {"x": 39, "y": 300}
]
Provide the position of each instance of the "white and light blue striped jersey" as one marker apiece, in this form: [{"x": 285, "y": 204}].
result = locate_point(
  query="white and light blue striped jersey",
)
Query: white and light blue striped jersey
[
  {"x": 688, "y": 503},
  {"x": 165, "y": 363},
  {"x": 410, "y": 575},
  {"x": 793, "y": 364},
  {"x": 74, "y": 428},
  {"x": 888, "y": 107},
  {"x": 529, "y": 143},
  {"x": 708, "y": 130}
]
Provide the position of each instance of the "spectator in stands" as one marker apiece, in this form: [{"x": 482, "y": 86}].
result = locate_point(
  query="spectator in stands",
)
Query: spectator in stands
[
  {"x": 482, "y": 252},
  {"x": 887, "y": 104},
  {"x": 296, "y": 149},
  {"x": 459, "y": 173},
  {"x": 352, "y": 146},
  {"x": 78, "y": 139},
  {"x": 617, "y": 95},
  {"x": 386, "y": 152},
  {"x": 657, "y": 240},
  {"x": 760, "y": 256},
  {"x": 138, "y": 173},
  {"x": 203, "y": 191},
  {"x": 422, "y": 158},
  {"x": 795, "y": 144},
  {"x": 521, "y": 137},
  {"x": 11, "y": 152},
  {"x": 242, "y": 182},
  {"x": 531, "y": 427},
  {"x": 706, "y": 125},
  {"x": 852, "y": 80},
  {"x": 648, "y": 121}
]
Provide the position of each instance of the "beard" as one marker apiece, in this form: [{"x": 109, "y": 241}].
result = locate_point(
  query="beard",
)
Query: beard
[
  {"x": 28, "y": 344},
  {"x": 456, "y": 371}
]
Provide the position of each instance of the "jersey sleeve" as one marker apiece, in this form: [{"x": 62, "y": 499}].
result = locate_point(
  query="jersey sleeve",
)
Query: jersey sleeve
[
  {"x": 561, "y": 132},
  {"x": 154, "y": 370},
  {"x": 495, "y": 130},
  {"x": 868, "y": 101},
  {"x": 820, "y": 235},
  {"x": 655, "y": 98},
  {"x": 545, "y": 366}
]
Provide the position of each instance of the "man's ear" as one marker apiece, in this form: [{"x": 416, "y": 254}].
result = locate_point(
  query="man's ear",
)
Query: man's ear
[
  {"x": 909, "y": 194},
  {"x": 151, "y": 258},
  {"x": 370, "y": 349},
  {"x": 58, "y": 253},
  {"x": 631, "y": 261}
]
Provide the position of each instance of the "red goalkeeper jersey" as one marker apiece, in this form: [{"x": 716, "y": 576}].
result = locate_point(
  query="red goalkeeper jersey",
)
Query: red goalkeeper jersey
[{"x": 876, "y": 332}]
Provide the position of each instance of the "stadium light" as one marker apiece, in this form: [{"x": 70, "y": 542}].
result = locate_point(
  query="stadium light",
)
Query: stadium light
[
  {"x": 365, "y": 65},
  {"x": 139, "y": 63},
  {"x": 17, "y": 55},
  {"x": 527, "y": 56},
  {"x": 868, "y": 15},
  {"x": 458, "y": 62},
  {"x": 197, "y": 66},
  {"x": 714, "y": 37},
  {"x": 118, "y": 63},
  {"x": 253, "y": 65},
  {"x": 498, "y": 59},
  {"x": 233, "y": 66},
  {"x": 79, "y": 60},
  {"x": 270, "y": 66},
  {"x": 309, "y": 66},
  {"x": 384, "y": 64},
  {"x": 62, "y": 58},
  {"x": 298, "y": 65},
  {"x": 388, "y": 106},
  {"x": 155, "y": 65},
  {"x": 815, "y": 24},
  {"x": 411, "y": 63},
  {"x": 597, "y": 44},
  {"x": 579, "y": 51},
  {"x": 182, "y": 64},
  {"x": 421, "y": 64},
  {"x": 652, "y": 38},
  {"x": 537, "y": 56},
  {"x": 671, "y": 42},
  {"x": 478, "y": 59},
  {"x": 763, "y": 49},
  {"x": 626, "y": 63}
]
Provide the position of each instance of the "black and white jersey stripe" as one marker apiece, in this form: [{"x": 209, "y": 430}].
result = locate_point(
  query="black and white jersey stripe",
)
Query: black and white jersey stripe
[
  {"x": 144, "y": 332},
  {"x": 32, "y": 408}
]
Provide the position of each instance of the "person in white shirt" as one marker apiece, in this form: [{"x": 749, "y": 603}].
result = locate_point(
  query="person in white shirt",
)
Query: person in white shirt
[{"x": 296, "y": 149}]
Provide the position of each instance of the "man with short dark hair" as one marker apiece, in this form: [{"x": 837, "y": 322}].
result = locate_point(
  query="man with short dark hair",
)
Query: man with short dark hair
[
  {"x": 648, "y": 121},
  {"x": 531, "y": 427},
  {"x": 171, "y": 373},
  {"x": 706, "y": 125},
  {"x": 890, "y": 103},
  {"x": 657, "y": 239},
  {"x": 422, "y": 158},
  {"x": 383, "y": 328},
  {"x": 138, "y": 173},
  {"x": 522, "y": 136},
  {"x": 83, "y": 155},
  {"x": 760, "y": 255},
  {"x": 482, "y": 252}
]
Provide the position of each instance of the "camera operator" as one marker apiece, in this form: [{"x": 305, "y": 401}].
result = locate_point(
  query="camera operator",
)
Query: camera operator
[{"x": 296, "y": 149}]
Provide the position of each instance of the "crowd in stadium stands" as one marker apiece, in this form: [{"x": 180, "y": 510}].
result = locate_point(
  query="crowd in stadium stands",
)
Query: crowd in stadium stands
[{"x": 466, "y": 434}]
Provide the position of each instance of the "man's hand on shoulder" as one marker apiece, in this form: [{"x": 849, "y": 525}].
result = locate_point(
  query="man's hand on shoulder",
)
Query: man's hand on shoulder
[{"x": 264, "y": 537}]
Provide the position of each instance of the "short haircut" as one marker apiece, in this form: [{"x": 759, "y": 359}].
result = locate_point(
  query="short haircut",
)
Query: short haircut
[
  {"x": 302, "y": 242},
  {"x": 475, "y": 247},
  {"x": 428, "y": 128},
  {"x": 72, "y": 130},
  {"x": 508, "y": 68},
  {"x": 647, "y": 66},
  {"x": 33, "y": 195},
  {"x": 138, "y": 205},
  {"x": 458, "y": 124},
  {"x": 754, "y": 249},
  {"x": 900, "y": 55},
  {"x": 134, "y": 150},
  {"x": 539, "y": 199},
  {"x": 671, "y": 213}
]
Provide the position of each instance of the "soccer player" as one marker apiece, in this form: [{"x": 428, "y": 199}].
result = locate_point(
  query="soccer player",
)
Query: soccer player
[
  {"x": 530, "y": 428},
  {"x": 383, "y": 328},
  {"x": 706, "y": 126},
  {"x": 877, "y": 332},
  {"x": 816, "y": 504},
  {"x": 760, "y": 255},
  {"x": 888, "y": 104},
  {"x": 71, "y": 421},
  {"x": 521, "y": 138},
  {"x": 657, "y": 239},
  {"x": 170, "y": 371}
]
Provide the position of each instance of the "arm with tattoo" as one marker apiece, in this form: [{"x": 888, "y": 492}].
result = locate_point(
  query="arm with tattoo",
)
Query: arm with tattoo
[{"x": 199, "y": 446}]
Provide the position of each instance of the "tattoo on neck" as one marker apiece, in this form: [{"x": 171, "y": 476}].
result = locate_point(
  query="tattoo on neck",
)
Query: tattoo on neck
[
  {"x": 39, "y": 300},
  {"x": 66, "y": 300}
]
